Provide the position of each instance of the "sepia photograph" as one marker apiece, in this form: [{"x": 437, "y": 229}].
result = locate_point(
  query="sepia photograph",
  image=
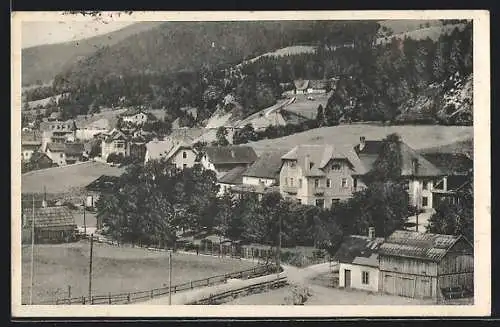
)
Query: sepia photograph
[{"x": 311, "y": 163}]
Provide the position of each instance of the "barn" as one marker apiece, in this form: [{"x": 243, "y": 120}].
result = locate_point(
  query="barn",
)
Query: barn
[
  {"x": 52, "y": 225},
  {"x": 426, "y": 266}
]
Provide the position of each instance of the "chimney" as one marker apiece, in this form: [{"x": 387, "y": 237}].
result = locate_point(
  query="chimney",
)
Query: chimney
[
  {"x": 362, "y": 143},
  {"x": 371, "y": 232},
  {"x": 414, "y": 166}
]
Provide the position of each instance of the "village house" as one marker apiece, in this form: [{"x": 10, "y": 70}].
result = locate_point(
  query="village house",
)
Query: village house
[
  {"x": 57, "y": 131},
  {"x": 320, "y": 175},
  {"x": 231, "y": 179},
  {"x": 115, "y": 142},
  {"x": 136, "y": 117},
  {"x": 222, "y": 159},
  {"x": 458, "y": 169},
  {"x": 183, "y": 155},
  {"x": 65, "y": 153},
  {"x": 105, "y": 184},
  {"x": 419, "y": 265},
  {"x": 52, "y": 225},
  {"x": 418, "y": 173},
  {"x": 40, "y": 160},
  {"x": 31, "y": 141},
  {"x": 88, "y": 130},
  {"x": 358, "y": 261},
  {"x": 265, "y": 170}
]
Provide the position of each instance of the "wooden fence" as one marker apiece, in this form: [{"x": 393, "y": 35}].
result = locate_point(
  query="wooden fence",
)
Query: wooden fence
[
  {"x": 215, "y": 299},
  {"x": 130, "y": 297}
]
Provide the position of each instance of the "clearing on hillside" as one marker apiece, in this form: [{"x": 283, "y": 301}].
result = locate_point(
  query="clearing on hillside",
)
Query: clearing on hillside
[
  {"x": 71, "y": 178},
  {"x": 416, "y": 136},
  {"x": 115, "y": 270}
]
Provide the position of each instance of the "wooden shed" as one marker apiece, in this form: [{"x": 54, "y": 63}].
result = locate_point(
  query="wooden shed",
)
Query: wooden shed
[
  {"x": 52, "y": 225},
  {"x": 422, "y": 265}
]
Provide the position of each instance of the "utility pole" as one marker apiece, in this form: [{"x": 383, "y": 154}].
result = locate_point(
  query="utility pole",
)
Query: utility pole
[
  {"x": 278, "y": 259},
  {"x": 169, "y": 277},
  {"x": 84, "y": 222},
  {"x": 90, "y": 267},
  {"x": 32, "y": 277}
]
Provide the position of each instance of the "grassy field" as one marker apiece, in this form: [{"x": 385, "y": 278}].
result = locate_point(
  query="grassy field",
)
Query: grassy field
[
  {"x": 115, "y": 270},
  {"x": 418, "y": 137},
  {"x": 66, "y": 179},
  {"x": 305, "y": 107}
]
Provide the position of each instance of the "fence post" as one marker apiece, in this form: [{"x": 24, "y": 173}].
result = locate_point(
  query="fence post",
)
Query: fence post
[
  {"x": 128, "y": 297},
  {"x": 191, "y": 284},
  {"x": 208, "y": 281},
  {"x": 91, "y": 300},
  {"x": 151, "y": 293},
  {"x": 175, "y": 289},
  {"x": 109, "y": 297},
  {"x": 83, "y": 299}
]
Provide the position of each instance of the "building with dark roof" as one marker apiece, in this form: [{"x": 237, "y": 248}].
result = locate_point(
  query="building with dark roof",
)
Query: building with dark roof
[
  {"x": 31, "y": 141},
  {"x": 424, "y": 265},
  {"x": 358, "y": 261},
  {"x": 224, "y": 158},
  {"x": 52, "y": 225},
  {"x": 265, "y": 170},
  {"x": 419, "y": 173},
  {"x": 320, "y": 175}
]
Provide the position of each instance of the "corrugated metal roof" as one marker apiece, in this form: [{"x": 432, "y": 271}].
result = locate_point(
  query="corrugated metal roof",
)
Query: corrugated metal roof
[
  {"x": 418, "y": 245},
  {"x": 357, "y": 249}
]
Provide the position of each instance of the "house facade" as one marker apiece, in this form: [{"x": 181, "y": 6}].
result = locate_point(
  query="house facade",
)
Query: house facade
[
  {"x": 417, "y": 172},
  {"x": 31, "y": 141},
  {"x": 222, "y": 159},
  {"x": 115, "y": 142},
  {"x": 56, "y": 153},
  {"x": 135, "y": 117},
  {"x": 358, "y": 262},
  {"x": 57, "y": 131},
  {"x": 320, "y": 175},
  {"x": 182, "y": 156},
  {"x": 424, "y": 266}
]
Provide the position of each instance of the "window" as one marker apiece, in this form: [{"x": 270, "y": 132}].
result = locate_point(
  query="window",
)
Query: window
[
  {"x": 184, "y": 154},
  {"x": 344, "y": 182},
  {"x": 355, "y": 183},
  {"x": 335, "y": 201},
  {"x": 425, "y": 201},
  {"x": 328, "y": 183},
  {"x": 425, "y": 185},
  {"x": 320, "y": 203},
  {"x": 61, "y": 155},
  {"x": 292, "y": 164},
  {"x": 365, "y": 277},
  {"x": 291, "y": 181},
  {"x": 184, "y": 166},
  {"x": 299, "y": 201},
  {"x": 316, "y": 183},
  {"x": 336, "y": 166},
  {"x": 300, "y": 182}
]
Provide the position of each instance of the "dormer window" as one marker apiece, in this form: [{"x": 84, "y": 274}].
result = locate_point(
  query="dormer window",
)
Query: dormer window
[{"x": 335, "y": 166}]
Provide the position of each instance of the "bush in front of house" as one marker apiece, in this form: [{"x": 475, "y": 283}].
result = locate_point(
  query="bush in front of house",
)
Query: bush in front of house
[{"x": 115, "y": 158}]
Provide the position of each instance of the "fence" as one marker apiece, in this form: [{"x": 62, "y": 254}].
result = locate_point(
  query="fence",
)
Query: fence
[
  {"x": 124, "y": 298},
  {"x": 242, "y": 291}
]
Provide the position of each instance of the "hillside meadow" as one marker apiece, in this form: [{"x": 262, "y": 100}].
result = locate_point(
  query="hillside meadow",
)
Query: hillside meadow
[{"x": 416, "y": 136}]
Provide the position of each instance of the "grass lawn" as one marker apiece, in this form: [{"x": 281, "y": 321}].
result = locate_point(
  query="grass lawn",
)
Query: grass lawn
[
  {"x": 67, "y": 178},
  {"x": 416, "y": 136},
  {"x": 115, "y": 270}
]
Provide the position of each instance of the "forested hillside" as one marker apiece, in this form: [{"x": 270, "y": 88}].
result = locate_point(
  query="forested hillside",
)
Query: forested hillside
[
  {"x": 40, "y": 64},
  {"x": 403, "y": 81}
]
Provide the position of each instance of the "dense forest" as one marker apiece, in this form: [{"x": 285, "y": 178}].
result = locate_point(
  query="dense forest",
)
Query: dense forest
[{"x": 383, "y": 82}]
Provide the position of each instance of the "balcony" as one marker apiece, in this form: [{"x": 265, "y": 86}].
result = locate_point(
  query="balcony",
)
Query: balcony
[
  {"x": 289, "y": 189},
  {"x": 319, "y": 190}
]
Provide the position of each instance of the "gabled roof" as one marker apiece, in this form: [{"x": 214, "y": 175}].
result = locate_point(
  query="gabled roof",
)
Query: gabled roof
[
  {"x": 268, "y": 165},
  {"x": 320, "y": 155},
  {"x": 115, "y": 134},
  {"x": 372, "y": 149},
  {"x": 74, "y": 149},
  {"x": 416, "y": 245},
  {"x": 159, "y": 149},
  {"x": 357, "y": 249},
  {"x": 182, "y": 145},
  {"x": 104, "y": 183},
  {"x": 234, "y": 176},
  {"x": 37, "y": 156},
  {"x": 55, "y": 147},
  {"x": 450, "y": 163},
  {"x": 50, "y": 217},
  {"x": 230, "y": 154}
]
